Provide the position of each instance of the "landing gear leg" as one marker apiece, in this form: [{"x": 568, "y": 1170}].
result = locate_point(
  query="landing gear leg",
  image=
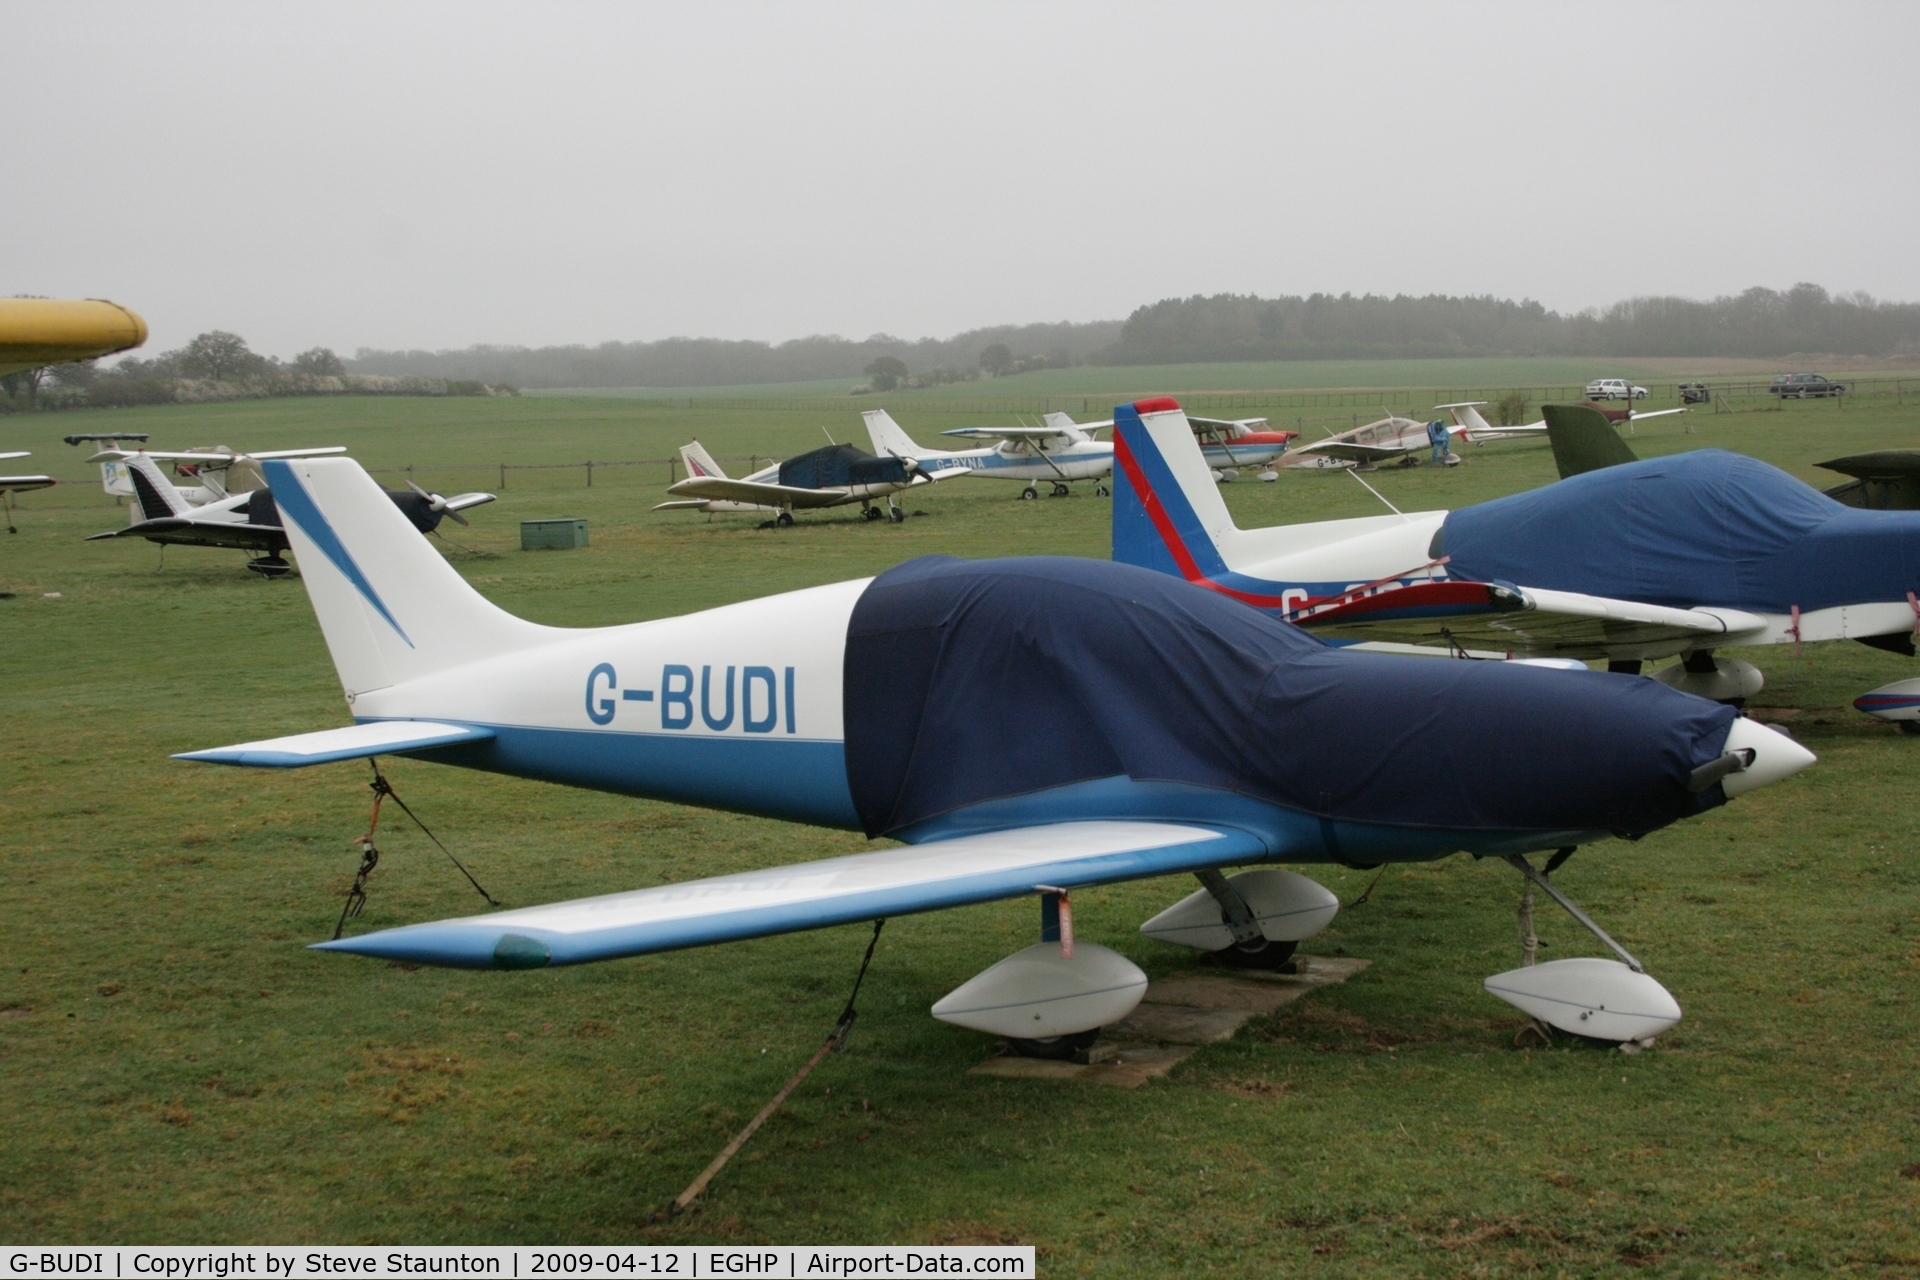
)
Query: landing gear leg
[
  {"x": 1539, "y": 878},
  {"x": 894, "y": 514},
  {"x": 1251, "y": 948}
]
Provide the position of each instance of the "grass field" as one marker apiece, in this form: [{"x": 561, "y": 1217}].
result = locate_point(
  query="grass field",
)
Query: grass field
[
  {"x": 177, "y": 1068},
  {"x": 1128, "y": 381}
]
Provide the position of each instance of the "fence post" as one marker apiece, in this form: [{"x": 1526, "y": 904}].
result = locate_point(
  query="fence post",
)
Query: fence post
[
  {"x": 589, "y": 473},
  {"x": 503, "y": 475}
]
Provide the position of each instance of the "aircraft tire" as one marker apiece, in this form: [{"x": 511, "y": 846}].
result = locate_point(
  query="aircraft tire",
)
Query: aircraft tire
[
  {"x": 871, "y": 513},
  {"x": 1029, "y": 493},
  {"x": 1060, "y": 490},
  {"x": 1909, "y": 727},
  {"x": 896, "y": 516},
  {"x": 784, "y": 520},
  {"x": 1054, "y": 1048},
  {"x": 1101, "y": 491},
  {"x": 1272, "y": 957}
]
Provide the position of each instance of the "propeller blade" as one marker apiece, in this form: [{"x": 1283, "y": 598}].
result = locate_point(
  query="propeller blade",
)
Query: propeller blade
[{"x": 455, "y": 516}]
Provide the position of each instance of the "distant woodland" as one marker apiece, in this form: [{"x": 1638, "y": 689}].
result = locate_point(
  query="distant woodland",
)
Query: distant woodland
[{"x": 1762, "y": 323}]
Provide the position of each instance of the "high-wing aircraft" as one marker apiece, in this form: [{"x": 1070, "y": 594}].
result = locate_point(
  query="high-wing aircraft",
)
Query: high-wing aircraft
[
  {"x": 1025, "y": 728},
  {"x": 1470, "y": 426},
  {"x": 1062, "y": 451},
  {"x": 35, "y": 332},
  {"x": 10, "y": 485},
  {"x": 1391, "y": 439},
  {"x": 831, "y": 476},
  {"x": 214, "y": 473},
  {"x": 250, "y": 521},
  {"x": 1057, "y": 453},
  {"x": 1672, "y": 556}
]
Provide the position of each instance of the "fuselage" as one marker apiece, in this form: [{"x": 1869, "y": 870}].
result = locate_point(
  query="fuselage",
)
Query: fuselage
[
  {"x": 1026, "y": 459},
  {"x": 744, "y": 708}
]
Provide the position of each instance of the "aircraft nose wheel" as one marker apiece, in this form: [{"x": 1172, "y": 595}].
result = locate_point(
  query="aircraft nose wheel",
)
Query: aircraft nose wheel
[
  {"x": 1101, "y": 491},
  {"x": 1060, "y": 490},
  {"x": 871, "y": 513},
  {"x": 1029, "y": 493},
  {"x": 896, "y": 516},
  {"x": 1054, "y": 1048}
]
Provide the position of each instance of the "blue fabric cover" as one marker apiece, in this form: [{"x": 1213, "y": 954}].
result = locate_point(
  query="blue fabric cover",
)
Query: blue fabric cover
[
  {"x": 1701, "y": 528},
  {"x": 839, "y": 466},
  {"x": 971, "y": 681}
]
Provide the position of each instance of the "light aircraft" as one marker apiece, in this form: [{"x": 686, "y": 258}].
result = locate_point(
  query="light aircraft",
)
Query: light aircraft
[
  {"x": 1391, "y": 439},
  {"x": 10, "y": 485},
  {"x": 36, "y": 332},
  {"x": 1674, "y": 556},
  {"x": 1025, "y": 727},
  {"x": 250, "y": 521},
  {"x": 1470, "y": 426},
  {"x": 1062, "y": 451},
  {"x": 831, "y": 476},
  {"x": 217, "y": 473}
]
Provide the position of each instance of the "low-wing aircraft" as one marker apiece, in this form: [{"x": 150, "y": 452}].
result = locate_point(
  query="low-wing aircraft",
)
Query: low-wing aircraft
[
  {"x": 214, "y": 473},
  {"x": 1391, "y": 439},
  {"x": 250, "y": 521},
  {"x": 1675, "y": 556},
  {"x": 1470, "y": 426},
  {"x": 35, "y": 332},
  {"x": 1025, "y": 727},
  {"x": 833, "y": 475}
]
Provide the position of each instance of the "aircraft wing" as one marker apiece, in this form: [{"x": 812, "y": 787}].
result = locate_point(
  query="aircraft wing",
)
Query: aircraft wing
[
  {"x": 202, "y": 533},
  {"x": 813, "y": 895},
  {"x": 11, "y": 454},
  {"x": 1020, "y": 433},
  {"x": 765, "y": 495},
  {"x": 20, "y": 484},
  {"x": 1355, "y": 452},
  {"x": 374, "y": 738},
  {"x": 121, "y": 455},
  {"x": 1489, "y": 616}
]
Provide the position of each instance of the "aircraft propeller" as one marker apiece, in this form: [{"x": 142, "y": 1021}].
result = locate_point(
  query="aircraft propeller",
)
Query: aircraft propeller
[{"x": 438, "y": 504}]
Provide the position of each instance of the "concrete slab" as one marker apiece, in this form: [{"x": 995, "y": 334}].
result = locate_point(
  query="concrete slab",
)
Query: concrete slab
[{"x": 1178, "y": 1015}]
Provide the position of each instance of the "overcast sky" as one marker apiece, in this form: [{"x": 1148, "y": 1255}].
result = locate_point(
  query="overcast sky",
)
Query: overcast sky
[{"x": 440, "y": 174}]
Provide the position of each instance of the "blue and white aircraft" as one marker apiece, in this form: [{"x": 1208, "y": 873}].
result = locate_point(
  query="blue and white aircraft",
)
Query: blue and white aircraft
[
  {"x": 1669, "y": 556},
  {"x": 1023, "y": 727},
  {"x": 1063, "y": 451}
]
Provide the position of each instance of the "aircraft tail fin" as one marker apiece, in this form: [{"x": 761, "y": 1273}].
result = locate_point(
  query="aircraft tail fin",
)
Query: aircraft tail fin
[
  {"x": 391, "y": 607},
  {"x": 1065, "y": 425},
  {"x": 699, "y": 462},
  {"x": 154, "y": 497},
  {"x": 1167, "y": 511},
  {"x": 889, "y": 438},
  {"x": 1467, "y": 415},
  {"x": 1583, "y": 440}
]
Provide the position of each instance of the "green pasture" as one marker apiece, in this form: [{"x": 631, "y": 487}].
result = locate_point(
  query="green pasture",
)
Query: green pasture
[
  {"x": 1121, "y": 382},
  {"x": 176, "y": 1068}
]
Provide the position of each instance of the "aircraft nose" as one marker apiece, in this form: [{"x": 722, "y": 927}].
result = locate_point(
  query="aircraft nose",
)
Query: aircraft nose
[{"x": 1775, "y": 757}]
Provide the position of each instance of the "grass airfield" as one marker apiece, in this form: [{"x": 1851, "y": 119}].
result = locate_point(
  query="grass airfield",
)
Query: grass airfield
[{"x": 177, "y": 1068}]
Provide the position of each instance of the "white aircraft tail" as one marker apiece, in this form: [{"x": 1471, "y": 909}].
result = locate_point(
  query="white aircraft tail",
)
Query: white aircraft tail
[
  {"x": 890, "y": 439},
  {"x": 1065, "y": 425},
  {"x": 1467, "y": 415},
  {"x": 391, "y": 608},
  {"x": 154, "y": 497},
  {"x": 699, "y": 462}
]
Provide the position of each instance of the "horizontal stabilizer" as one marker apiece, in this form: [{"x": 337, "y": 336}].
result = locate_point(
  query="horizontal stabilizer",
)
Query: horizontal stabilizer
[
  {"x": 812, "y": 895},
  {"x": 20, "y": 484},
  {"x": 374, "y": 738}
]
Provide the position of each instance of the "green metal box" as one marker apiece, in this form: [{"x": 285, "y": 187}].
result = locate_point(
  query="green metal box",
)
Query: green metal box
[{"x": 552, "y": 535}]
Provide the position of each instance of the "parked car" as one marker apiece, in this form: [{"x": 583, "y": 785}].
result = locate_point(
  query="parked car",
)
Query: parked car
[
  {"x": 1694, "y": 393},
  {"x": 1802, "y": 385},
  {"x": 1614, "y": 389}
]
